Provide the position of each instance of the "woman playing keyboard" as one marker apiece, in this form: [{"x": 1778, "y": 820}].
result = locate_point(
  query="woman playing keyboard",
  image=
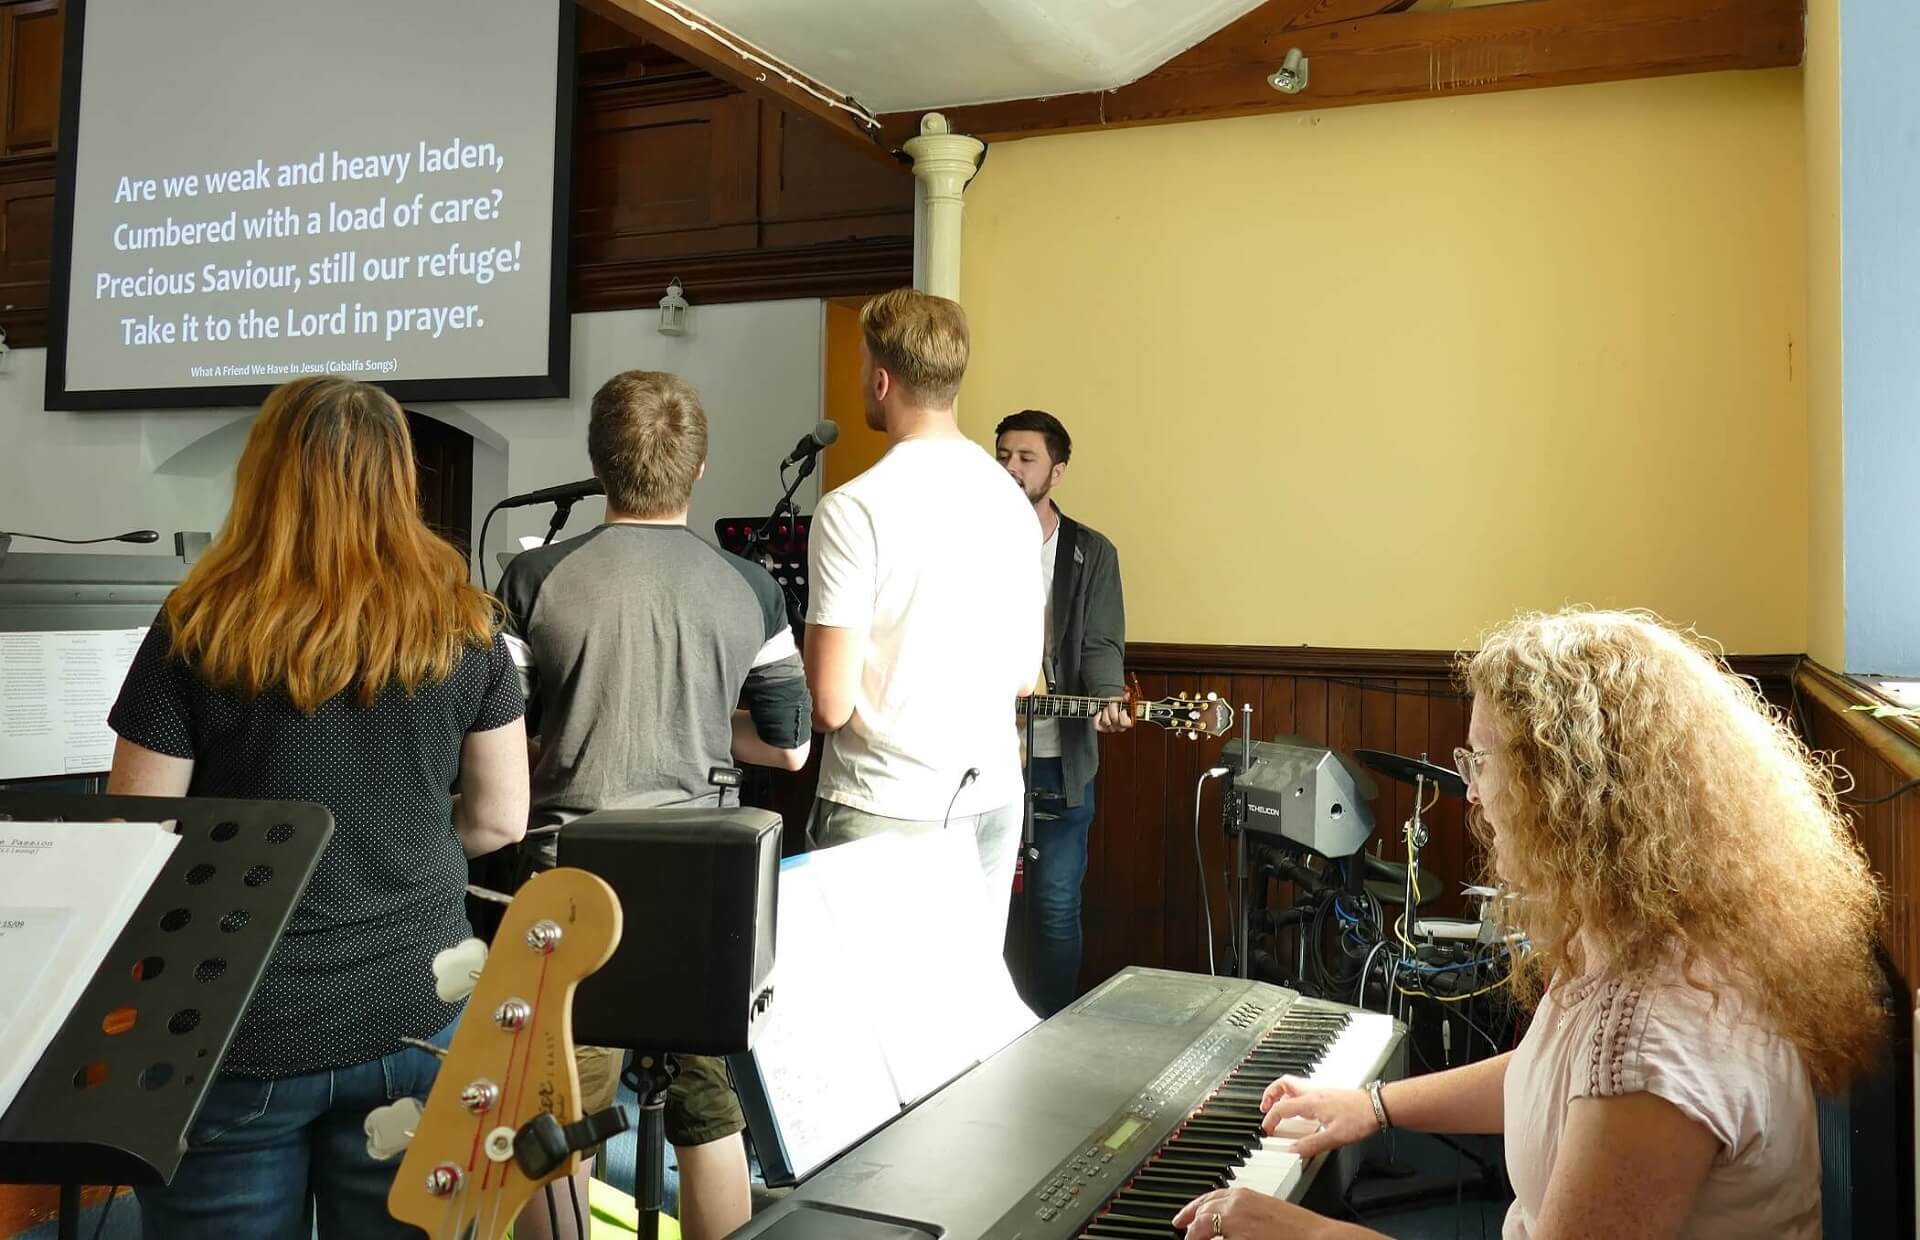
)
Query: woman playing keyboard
[{"x": 1701, "y": 924}]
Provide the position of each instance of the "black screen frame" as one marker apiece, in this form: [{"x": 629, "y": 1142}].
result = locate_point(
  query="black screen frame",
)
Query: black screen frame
[{"x": 554, "y": 384}]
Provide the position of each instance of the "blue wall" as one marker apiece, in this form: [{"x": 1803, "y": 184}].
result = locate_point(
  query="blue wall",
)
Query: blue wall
[{"x": 1880, "y": 186}]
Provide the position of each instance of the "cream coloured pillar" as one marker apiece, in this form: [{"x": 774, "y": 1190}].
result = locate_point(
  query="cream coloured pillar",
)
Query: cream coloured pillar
[{"x": 943, "y": 163}]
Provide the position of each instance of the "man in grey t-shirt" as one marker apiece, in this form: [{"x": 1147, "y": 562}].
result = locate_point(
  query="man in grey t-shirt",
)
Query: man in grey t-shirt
[{"x": 651, "y": 658}]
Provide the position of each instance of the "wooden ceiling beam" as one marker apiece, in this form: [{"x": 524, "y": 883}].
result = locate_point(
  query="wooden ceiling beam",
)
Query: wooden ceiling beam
[
  {"x": 686, "y": 35},
  {"x": 1327, "y": 12},
  {"x": 1395, "y": 55}
]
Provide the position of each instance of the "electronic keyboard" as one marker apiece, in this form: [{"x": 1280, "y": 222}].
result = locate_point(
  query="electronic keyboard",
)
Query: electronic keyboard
[{"x": 1101, "y": 1122}]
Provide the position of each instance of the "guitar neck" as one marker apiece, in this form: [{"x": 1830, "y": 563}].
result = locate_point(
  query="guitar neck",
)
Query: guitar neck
[{"x": 1072, "y": 706}]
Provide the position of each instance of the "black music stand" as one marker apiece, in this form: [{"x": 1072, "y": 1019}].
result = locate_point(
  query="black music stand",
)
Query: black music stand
[{"x": 187, "y": 964}]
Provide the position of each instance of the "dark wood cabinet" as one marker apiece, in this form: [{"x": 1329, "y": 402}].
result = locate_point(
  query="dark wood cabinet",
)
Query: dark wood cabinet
[
  {"x": 29, "y": 125},
  {"x": 679, "y": 175},
  {"x": 30, "y": 58},
  {"x": 26, "y": 249}
]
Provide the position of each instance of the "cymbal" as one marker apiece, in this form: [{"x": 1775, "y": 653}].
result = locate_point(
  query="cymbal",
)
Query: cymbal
[{"x": 1406, "y": 770}]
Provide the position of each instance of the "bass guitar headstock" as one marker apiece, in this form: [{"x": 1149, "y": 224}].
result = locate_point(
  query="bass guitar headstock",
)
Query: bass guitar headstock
[{"x": 511, "y": 1063}]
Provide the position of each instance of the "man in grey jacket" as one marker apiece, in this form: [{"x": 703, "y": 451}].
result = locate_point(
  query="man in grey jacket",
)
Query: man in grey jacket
[{"x": 1086, "y": 644}]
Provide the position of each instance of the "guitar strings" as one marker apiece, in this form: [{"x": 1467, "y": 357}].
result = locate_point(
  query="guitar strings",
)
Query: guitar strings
[
  {"x": 533, "y": 1021},
  {"x": 455, "y": 1213}
]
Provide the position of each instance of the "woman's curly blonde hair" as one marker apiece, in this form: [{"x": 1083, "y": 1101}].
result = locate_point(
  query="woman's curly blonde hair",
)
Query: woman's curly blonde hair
[{"x": 1651, "y": 802}]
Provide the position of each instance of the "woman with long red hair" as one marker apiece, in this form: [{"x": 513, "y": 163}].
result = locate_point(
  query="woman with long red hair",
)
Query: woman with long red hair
[{"x": 328, "y": 648}]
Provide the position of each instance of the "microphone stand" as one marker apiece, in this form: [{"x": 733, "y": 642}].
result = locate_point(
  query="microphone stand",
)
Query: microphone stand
[
  {"x": 785, "y": 509},
  {"x": 1027, "y": 844},
  {"x": 562, "y": 512}
]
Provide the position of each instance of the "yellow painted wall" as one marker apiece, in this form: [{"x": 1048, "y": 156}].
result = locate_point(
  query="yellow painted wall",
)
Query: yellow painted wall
[
  {"x": 1380, "y": 376},
  {"x": 859, "y": 445},
  {"x": 1826, "y": 562}
]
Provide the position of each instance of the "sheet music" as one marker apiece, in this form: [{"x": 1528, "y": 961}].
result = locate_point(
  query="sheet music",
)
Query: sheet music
[
  {"x": 66, "y": 892},
  {"x": 827, "y": 1080},
  {"x": 886, "y": 987},
  {"x": 910, "y": 909},
  {"x": 55, "y": 691}
]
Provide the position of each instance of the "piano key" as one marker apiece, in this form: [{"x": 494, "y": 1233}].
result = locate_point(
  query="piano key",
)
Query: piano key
[{"x": 1276, "y": 1176}]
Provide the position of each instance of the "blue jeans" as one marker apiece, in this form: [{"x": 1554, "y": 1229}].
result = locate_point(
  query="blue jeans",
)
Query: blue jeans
[
  {"x": 1054, "y": 883},
  {"x": 269, "y": 1159}
]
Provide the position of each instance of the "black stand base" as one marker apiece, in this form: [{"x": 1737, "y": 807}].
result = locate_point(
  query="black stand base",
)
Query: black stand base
[
  {"x": 650, "y": 1077},
  {"x": 69, "y": 1228}
]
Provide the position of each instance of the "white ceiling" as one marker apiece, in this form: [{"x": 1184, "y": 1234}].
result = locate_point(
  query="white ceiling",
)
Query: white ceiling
[{"x": 911, "y": 55}]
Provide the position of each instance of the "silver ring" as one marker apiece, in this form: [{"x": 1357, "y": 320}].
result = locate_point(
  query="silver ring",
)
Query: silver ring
[{"x": 1219, "y": 1226}]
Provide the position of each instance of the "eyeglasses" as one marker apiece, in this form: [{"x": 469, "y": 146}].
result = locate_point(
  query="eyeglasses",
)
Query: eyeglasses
[{"x": 1467, "y": 761}]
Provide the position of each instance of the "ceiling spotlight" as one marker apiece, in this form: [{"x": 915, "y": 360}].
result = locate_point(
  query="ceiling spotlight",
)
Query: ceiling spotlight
[{"x": 1291, "y": 77}]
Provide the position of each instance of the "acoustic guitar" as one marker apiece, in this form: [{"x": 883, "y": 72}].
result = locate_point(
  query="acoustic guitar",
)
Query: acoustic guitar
[{"x": 1190, "y": 716}]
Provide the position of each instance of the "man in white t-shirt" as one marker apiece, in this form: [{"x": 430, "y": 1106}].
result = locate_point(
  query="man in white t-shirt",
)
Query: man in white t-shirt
[{"x": 925, "y": 615}]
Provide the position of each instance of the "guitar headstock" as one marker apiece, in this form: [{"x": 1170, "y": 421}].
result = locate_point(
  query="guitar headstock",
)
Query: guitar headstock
[
  {"x": 1191, "y": 715},
  {"x": 511, "y": 1060}
]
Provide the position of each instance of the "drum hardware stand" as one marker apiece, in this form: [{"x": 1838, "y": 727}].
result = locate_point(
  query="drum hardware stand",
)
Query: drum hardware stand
[
  {"x": 1416, "y": 840},
  {"x": 1243, "y": 966}
]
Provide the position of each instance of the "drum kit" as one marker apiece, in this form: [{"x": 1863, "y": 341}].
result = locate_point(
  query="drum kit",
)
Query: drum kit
[{"x": 1424, "y": 776}]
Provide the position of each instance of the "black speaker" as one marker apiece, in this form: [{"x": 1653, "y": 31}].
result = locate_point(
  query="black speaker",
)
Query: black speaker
[{"x": 697, "y": 889}]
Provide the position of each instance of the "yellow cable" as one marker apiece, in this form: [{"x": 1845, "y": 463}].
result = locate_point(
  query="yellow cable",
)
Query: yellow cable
[{"x": 1422, "y": 994}]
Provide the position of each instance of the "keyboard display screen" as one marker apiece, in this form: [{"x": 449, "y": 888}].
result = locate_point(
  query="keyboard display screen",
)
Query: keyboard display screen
[{"x": 1124, "y": 1133}]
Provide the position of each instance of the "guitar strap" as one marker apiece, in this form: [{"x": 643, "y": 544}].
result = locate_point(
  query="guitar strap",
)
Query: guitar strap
[{"x": 1064, "y": 567}]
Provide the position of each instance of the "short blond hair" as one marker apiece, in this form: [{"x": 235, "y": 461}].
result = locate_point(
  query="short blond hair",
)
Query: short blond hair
[
  {"x": 921, "y": 340},
  {"x": 647, "y": 438}
]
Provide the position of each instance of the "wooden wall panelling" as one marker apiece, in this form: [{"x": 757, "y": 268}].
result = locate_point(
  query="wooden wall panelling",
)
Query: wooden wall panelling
[
  {"x": 665, "y": 173},
  {"x": 1881, "y": 756},
  {"x": 26, "y": 248},
  {"x": 1409, "y": 55},
  {"x": 30, "y": 62},
  {"x": 677, "y": 175},
  {"x": 29, "y": 120},
  {"x": 1141, "y": 896},
  {"x": 1145, "y": 870},
  {"x": 813, "y": 190}
]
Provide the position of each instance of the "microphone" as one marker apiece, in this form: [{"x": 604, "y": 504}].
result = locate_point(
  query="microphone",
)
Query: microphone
[
  {"x": 973, "y": 773},
  {"x": 813, "y": 441},
  {"x": 131, "y": 536},
  {"x": 565, "y": 493}
]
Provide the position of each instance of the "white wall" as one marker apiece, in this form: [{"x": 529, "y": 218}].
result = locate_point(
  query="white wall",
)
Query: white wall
[{"x": 757, "y": 365}]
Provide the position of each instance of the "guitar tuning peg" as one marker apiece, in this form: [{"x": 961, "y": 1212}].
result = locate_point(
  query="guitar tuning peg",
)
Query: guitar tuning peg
[
  {"x": 1193, "y": 736},
  {"x": 456, "y": 969},
  {"x": 1213, "y": 697},
  {"x": 390, "y": 1128}
]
